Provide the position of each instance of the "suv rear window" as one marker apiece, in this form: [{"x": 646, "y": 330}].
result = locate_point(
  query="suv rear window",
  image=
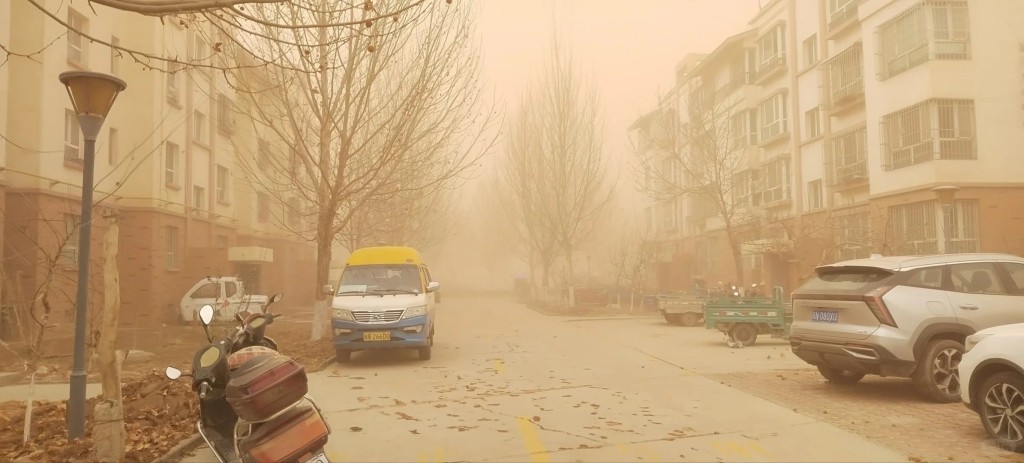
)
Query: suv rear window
[{"x": 845, "y": 280}]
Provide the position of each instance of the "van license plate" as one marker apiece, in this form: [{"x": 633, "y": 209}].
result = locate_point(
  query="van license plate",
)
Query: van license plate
[
  {"x": 825, "y": 316},
  {"x": 318, "y": 458},
  {"x": 377, "y": 336}
]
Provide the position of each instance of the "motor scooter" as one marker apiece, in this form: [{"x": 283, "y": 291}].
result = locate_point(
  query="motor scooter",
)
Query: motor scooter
[{"x": 254, "y": 405}]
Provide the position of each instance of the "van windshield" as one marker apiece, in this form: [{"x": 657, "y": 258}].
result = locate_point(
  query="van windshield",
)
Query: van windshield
[{"x": 380, "y": 278}]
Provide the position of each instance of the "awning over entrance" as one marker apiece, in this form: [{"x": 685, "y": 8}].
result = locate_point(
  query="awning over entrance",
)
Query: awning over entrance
[{"x": 250, "y": 254}]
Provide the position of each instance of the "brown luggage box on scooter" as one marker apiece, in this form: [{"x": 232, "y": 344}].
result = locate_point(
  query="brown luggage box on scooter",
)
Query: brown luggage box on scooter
[
  {"x": 299, "y": 433},
  {"x": 266, "y": 385}
]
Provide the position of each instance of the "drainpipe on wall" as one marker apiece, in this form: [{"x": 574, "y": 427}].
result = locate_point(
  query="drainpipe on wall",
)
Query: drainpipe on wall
[
  {"x": 189, "y": 141},
  {"x": 826, "y": 122},
  {"x": 211, "y": 187},
  {"x": 794, "y": 141}
]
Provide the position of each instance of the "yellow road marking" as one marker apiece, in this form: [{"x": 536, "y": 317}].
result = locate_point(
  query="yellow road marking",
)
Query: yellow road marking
[
  {"x": 744, "y": 449},
  {"x": 499, "y": 366},
  {"x": 538, "y": 454},
  {"x": 439, "y": 455}
]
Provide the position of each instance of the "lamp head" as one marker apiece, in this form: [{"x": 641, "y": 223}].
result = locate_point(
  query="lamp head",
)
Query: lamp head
[{"x": 92, "y": 93}]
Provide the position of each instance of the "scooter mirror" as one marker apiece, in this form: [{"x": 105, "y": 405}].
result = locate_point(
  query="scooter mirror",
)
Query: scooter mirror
[
  {"x": 206, "y": 314},
  {"x": 172, "y": 373},
  {"x": 275, "y": 298}
]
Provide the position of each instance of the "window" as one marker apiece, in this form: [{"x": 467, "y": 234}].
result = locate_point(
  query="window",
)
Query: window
[
  {"x": 262, "y": 207},
  {"x": 223, "y": 184},
  {"x": 773, "y": 117},
  {"x": 115, "y": 56},
  {"x": 225, "y": 116},
  {"x": 845, "y": 76},
  {"x": 1016, "y": 274},
  {"x": 207, "y": 291},
  {"x": 77, "y": 45},
  {"x": 815, "y": 195},
  {"x": 69, "y": 252},
  {"x": 928, "y": 277},
  {"x": 200, "y": 50},
  {"x": 743, "y": 187},
  {"x": 72, "y": 137},
  {"x": 775, "y": 181},
  {"x": 171, "y": 164},
  {"x": 840, "y": 11},
  {"x": 230, "y": 289},
  {"x": 846, "y": 157},
  {"x": 933, "y": 129},
  {"x": 811, "y": 51},
  {"x": 853, "y": 236},
  {"x": 113, "y": 150},
  {"x": 173, "y": 78},
  {"x": 976, "y": 278},
  {"x": 929, "y": 30},
  {"x": 812, "y": 119},
  {"x": 171, "y": 247},
  {"x": 771, "y": 49},
  {"x": 199, "y": 126},
  {"x": 198, "y": 198},
  {"x": 919, "y": 226}
]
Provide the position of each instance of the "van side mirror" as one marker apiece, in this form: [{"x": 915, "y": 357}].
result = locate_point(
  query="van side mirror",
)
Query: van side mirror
[
  {"x": 328, "y": 289},
  {"x": 433, "y": 286}
]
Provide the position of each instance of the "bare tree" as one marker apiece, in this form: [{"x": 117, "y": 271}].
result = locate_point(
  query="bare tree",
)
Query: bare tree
[
  {"x": 335, "y": 139},
  {"x": 556, "y": 169},
  {"x": 632, "y": 257},
  {"x": 698, "y": 151}
]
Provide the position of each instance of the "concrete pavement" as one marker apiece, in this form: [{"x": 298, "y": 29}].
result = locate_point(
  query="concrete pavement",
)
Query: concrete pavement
[{"x": 509, "y": 385}]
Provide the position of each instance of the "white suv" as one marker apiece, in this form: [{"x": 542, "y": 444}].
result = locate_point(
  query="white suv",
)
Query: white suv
[
  {"x": 992, "y": 372},
  {"x": 904, "y": 316}
]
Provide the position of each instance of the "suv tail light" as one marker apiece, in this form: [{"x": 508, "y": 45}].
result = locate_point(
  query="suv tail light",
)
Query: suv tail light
[{"x": 874, "y": 302}]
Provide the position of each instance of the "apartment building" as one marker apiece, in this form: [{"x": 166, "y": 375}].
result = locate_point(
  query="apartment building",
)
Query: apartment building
[
  {"x": 167, "y": 167},
  {"x": 850, "y": 113}
]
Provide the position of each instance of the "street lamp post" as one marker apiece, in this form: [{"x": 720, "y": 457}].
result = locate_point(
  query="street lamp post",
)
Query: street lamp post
[
  {"x": 92, "y": 94},
  {"x": 945, "y": 196}
]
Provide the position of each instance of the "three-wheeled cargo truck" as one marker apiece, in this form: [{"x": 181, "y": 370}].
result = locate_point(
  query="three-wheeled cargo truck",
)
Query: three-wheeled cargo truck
[
  {"x": 744, "y": 318},
  {"x": 681, "y": 308}
]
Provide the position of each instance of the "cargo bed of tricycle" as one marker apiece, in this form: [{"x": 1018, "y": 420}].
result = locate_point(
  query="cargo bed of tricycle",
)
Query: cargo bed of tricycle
[{"x": 743, "y": 319}]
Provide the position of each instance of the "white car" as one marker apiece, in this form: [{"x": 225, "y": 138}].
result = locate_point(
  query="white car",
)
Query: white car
[{"x": 992, "y": 382}]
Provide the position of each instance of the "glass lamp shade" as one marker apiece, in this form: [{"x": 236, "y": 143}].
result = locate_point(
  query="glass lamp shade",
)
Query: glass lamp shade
[
  {"x": 92, "y": 93},
  {"x": 945, "y": 193}
]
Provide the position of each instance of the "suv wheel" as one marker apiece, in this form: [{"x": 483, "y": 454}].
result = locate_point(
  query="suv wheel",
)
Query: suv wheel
[
  {"x": 841, "y": 377},
  {"x": 1000, "y": 401},
  {"x": 936, "y": 376}
]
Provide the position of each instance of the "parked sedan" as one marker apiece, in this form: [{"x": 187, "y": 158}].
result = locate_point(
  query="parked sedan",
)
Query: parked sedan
[{"x": 992, "y": 374}]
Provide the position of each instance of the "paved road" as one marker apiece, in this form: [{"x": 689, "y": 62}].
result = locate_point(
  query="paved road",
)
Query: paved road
[{"x": 507, "y": 384}]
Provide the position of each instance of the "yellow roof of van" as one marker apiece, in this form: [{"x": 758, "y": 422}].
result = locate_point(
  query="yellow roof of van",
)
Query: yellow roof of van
[{"x": 383, "y": 255}]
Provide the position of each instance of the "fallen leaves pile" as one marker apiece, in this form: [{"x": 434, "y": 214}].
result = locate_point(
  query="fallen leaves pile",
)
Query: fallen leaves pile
[{"x": 159, "y": 414}]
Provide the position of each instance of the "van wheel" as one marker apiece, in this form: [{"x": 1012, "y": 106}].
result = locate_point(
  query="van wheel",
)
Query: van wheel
[
  {"x": 840, "y": 377},
  {"x": 744, "y": 333},
  {"x": 425, "y": 352},
  {"x": 936, "y": 376},
  {"x": 343, "y": 356}
]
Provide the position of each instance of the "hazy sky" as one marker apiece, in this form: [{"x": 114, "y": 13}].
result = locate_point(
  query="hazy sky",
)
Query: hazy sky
[{"x": 629, "y": 48}]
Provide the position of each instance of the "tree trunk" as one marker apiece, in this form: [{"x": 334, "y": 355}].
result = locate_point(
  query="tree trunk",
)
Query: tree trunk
[
  {"x": 737, "y": 259},
  {"x": 323, "y": 271},
  {"x": 572, "y": 276},
  {"x": 109, "y": 430}
]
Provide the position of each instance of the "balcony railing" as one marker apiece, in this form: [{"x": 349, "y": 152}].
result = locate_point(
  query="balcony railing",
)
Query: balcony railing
[
  {"x": 846, "y": 156},
  {"x": 844, "y": 74},
  {"x": 839, "y": 18}
]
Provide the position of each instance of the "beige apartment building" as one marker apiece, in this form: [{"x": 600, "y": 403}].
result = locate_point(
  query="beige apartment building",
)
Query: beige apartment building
[
  {"x": 167, "y": 166},
  {"x": 845, "y": 115}
]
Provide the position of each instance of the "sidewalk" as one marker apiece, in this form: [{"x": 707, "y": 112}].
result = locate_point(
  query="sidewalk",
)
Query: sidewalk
[{"x": 49, "y": 392}]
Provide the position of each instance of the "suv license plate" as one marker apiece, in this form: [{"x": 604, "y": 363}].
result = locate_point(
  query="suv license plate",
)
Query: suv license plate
[{"x": 825, "y": 316}]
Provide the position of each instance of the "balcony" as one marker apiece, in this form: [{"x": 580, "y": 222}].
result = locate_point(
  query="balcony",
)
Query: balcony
[
  {"x": 842, "y": 16},
  {"x": 846, "y": 159},
  {"x": 843, "y": 76},
  {"x": 770, "y": 67}
]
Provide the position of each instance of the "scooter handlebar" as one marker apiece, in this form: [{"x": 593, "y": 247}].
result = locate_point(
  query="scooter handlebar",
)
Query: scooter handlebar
[{"x": 203, "y": 388}]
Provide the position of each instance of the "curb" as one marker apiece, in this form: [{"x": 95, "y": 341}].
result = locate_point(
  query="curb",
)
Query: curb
[
  {"x": 324, "y": 364},
  {"x": 178, "y": 451},
  {"x": 7, "y": 379}
]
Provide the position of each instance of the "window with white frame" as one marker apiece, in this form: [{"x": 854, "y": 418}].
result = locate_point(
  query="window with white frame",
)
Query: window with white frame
[
  {"x": 929, "y": 30},
  {"x": 72, "y": 137},
  {"x": 775, "y": 181},
  {"x": 198, "y": 198},
  {"x": 845, "y": 75},
  {"x": 223, "y": 184},
  {"x": 69, "y": 251},
  {"x": 846, "y": 156},
  {"x": 811, "y": 51},
  {"x": 78, "y": 47},
  {"x": 744, "y": 184},
  {"x": 840, "y": 11},
  {"x": 225, "y": 114},
  {"x": 171, "y": 248},
  {"x": 199, "y": 127},
  {"x": 773, "y": 116},
  {"x": 171, "y": 161},
  {"x": 815, "y": 195},
  {"x": 173, "y": 81},
  {"x": 917, "y": 227},
  {"x": 933, "y": 129},
  {"x": 113, "y": 147},
  {"x": 771, "y": 48},
  {"x": 812, "y": 121}
]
